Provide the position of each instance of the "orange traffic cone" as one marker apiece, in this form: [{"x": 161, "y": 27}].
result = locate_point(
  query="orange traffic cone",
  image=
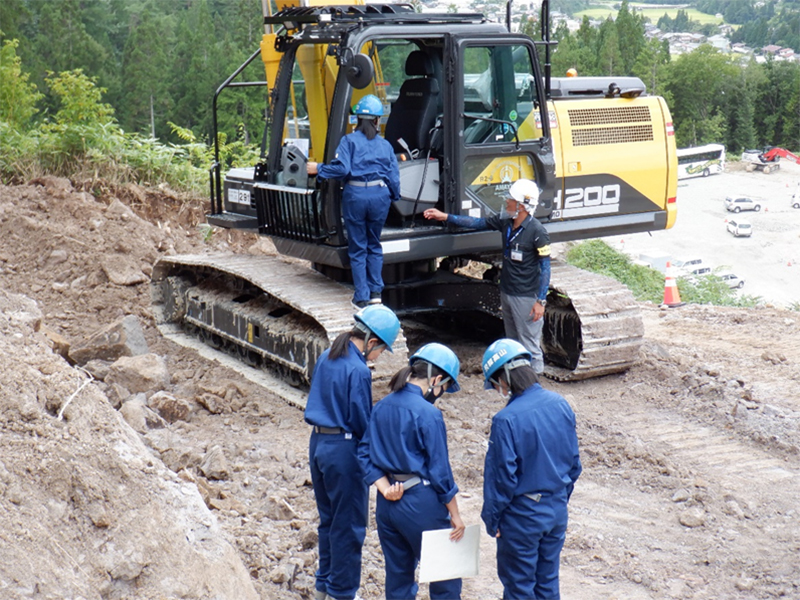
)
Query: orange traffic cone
[{"x": 672, "y": 297}]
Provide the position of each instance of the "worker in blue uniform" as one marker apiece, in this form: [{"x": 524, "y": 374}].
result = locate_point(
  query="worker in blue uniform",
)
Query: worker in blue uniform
[
  {"x": 525, "y": 278},
  {"x": 531, "y": 468},
  {"x": 338, "y": 407},
  {"x": 404, "y": 453},
  {"x": 367, "y": 166}
]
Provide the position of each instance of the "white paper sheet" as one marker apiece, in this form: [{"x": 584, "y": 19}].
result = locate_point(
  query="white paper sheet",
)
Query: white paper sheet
[{"x": 442, "y": 559}]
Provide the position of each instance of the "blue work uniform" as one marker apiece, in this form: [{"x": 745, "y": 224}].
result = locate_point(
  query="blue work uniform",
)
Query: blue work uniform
[
  {"x": 359, "y": 162},
  {"x": 531, "y": 467},
  {"x": 340, "y": 399},
  {"x": 407, "y": 436},
  {"x": 525, "y": 277}
]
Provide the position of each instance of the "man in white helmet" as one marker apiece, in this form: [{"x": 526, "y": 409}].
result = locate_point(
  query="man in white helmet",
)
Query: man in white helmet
[{"x": 525, "y": 278}]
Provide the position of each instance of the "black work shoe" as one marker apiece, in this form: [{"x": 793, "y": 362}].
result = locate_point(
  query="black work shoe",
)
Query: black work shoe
[
  {"x": 360, "y": 304},
  {"x": 375, "y": 298}
]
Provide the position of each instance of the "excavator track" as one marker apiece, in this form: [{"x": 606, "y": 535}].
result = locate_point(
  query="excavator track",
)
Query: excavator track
[
  {"x": 593, "y": 325},
  {"x": 266, "y": 309}
]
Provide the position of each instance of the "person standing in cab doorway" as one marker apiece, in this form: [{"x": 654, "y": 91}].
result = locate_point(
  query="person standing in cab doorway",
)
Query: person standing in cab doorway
[
  {"x": 367, "y": 166},
  {"x": 525, "y": 277},
  {"x": 404, "y": 453},
  {"x": 531, "y": 468},
  {"x": 338, "y": 408}
]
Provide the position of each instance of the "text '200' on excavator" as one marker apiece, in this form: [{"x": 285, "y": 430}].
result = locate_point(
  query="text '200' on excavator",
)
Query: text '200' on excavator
[{"x": 470, "y": 108}]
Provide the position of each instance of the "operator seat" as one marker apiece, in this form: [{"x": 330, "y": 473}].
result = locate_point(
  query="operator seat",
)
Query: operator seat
[{"x": 414, "y": 112}]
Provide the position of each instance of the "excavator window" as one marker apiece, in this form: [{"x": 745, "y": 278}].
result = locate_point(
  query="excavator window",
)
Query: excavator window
[
  {"x": 499, "y": 94},
  {"x": 499, "y": 120}
]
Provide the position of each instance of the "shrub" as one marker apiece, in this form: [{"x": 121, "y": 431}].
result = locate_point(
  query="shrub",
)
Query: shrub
[{"x": 18, "y": 98}]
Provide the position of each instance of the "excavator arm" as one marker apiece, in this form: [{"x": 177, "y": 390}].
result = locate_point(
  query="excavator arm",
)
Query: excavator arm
[{"x": 774, "y": 154}]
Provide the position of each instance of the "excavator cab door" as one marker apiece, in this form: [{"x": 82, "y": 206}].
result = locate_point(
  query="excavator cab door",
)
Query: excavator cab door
[{"x": 499, "y": 134}]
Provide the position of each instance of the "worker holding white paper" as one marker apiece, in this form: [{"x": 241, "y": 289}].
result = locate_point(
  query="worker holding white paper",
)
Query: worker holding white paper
[
  {"x": 404, "y": 453},
  {"x": 531, "y": 468}
]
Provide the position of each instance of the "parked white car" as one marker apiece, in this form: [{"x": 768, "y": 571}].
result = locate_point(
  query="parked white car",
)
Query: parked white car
[
  {"x": 688, "y": 265},
  {"x": 740, "y": 228},
  {"x": 732, "y": 280}
]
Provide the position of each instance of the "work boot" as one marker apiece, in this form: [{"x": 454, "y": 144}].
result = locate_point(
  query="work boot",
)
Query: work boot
[
  {"x": 375, "y": 298},
  {"x": 359, "y": 304}
]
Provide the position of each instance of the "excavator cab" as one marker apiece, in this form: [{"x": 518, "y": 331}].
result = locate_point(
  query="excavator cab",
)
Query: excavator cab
[{"x": 463, "y": 109}]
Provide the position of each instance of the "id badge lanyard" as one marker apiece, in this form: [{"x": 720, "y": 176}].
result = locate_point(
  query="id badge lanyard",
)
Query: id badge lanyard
[{"x": 510, "y": 238}]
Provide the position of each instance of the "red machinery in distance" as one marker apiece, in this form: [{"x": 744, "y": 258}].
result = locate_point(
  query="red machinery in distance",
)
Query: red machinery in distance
[{"x": 768, "y": 160}]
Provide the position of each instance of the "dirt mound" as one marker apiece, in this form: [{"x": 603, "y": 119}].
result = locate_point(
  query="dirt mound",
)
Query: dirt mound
[{"x": 691, "y": 458}]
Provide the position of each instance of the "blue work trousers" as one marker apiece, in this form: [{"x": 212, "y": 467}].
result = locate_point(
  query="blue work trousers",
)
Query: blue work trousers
[
  {"x": 365, "y": 211},
  {"x": 528, "y": 549},
  {"x": 343, "y": 504},
  {"x": 400, "y": 527}
]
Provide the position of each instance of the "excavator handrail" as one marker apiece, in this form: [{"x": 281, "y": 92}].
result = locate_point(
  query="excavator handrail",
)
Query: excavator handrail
[
  {"x": 374, "y": 13},
  {"x": 216, "y": 180}
]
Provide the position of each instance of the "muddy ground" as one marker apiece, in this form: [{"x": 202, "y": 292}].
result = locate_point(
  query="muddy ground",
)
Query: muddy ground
[{"x": 691, "y": 459}]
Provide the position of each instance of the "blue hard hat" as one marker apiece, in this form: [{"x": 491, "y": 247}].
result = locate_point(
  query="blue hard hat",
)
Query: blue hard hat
[
  {"x": 369, "y": 106},
  {"x": 505, "y": 353},
  {"x": 440, "y": 356},
  {"x": 381, "y": 321}
]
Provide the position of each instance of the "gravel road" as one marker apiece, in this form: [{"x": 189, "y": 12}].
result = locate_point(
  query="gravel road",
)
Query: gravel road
[{"x": 768, "y": 261}]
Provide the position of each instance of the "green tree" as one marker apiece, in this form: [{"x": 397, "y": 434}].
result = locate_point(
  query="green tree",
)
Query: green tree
[
  {"x": 666, "y": 24},
  {"x": 775, "y": 121},
  {"x": 62, "y": 42},
  {"x": 18, "y": 97},
  {"x": 83, "y": 123},
  {"x": 739, "y": 106},
  {"x": 197, "y": 70},
  {"x": 681, "y": 22},
  {"x": 652, "y": 64},
  {"x": 630, "y": 31},
  {"x": 609, "y": 59},
  {"x": 145, "y": 64},
  {"x": 695, "y": 83},
  {"x": 12, "y": 14}
]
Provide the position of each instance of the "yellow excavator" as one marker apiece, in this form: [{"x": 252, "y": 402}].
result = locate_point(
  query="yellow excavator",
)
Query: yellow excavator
[{"x": 470, "y": 107}]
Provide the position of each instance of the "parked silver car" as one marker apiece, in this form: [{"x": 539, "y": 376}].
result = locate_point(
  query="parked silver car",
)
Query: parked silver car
[
  {"x": 739, "y": 204},
  {"x": 732, "y": 280}
]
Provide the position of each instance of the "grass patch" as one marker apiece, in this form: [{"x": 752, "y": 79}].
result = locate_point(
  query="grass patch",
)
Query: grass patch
[
  {"x": 652, "y": 12},
  {"x": 647, "y": 284}
]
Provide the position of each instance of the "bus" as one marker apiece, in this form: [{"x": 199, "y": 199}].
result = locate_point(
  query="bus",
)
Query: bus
[{"x": 701, "y": 160}]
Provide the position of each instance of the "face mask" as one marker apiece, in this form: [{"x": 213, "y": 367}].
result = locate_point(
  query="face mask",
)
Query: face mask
[
  {"x": 506, "y": 397},
  {"x": 499, "y": 389},
  {"x": 431, "y": 395},
  {"x": 504, "y": 214}
]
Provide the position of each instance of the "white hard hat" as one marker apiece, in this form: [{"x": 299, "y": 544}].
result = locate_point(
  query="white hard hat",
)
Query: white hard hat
[{"x": 526, "y": 192}]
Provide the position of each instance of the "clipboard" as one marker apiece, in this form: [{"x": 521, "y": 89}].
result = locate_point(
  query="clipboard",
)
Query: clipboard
[{"x": 442, "y": 559}]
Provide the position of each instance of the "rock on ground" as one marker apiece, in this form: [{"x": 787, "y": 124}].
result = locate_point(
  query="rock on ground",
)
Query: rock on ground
[{"x": 87, "y": 510}]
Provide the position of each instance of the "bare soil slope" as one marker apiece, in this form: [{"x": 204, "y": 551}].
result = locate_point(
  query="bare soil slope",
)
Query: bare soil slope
[{"x": 691, "y": 459}]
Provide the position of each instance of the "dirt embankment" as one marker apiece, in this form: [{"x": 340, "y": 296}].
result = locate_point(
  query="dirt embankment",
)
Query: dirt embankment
[{"x": 691, "y": 459}]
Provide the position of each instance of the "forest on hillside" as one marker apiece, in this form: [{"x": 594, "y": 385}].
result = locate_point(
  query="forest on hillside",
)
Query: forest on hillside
[{"x": 134, "y": 79}]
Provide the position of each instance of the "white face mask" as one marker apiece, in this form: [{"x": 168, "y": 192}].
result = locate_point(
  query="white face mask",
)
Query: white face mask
[{"x": 498, "y": 387}]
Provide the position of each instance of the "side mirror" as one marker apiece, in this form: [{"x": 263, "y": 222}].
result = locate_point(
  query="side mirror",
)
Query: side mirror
[{"x": 360, "y": 71}]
